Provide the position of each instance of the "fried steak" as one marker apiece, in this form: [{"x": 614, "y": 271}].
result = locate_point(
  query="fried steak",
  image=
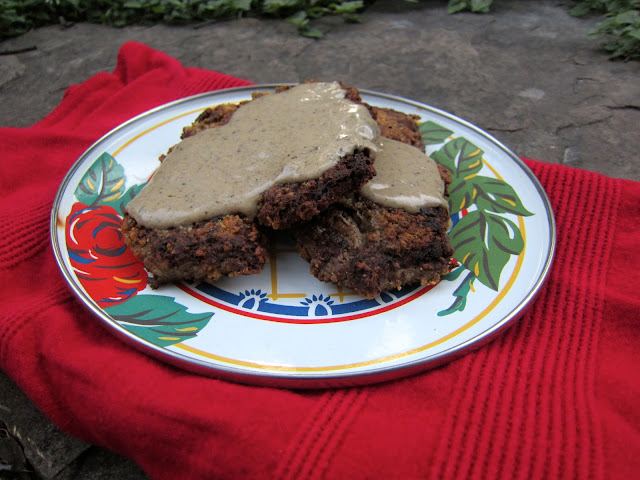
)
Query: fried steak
[
  {"x": 204, "y": 252},
  {"x": 369, "y": 248},
  {"x": 233, "y": 244}
]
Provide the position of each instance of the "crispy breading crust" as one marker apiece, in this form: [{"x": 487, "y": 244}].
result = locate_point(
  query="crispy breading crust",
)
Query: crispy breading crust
[
  {"x": 286, "y": 205},
  {"x": 201, "y": 252},
  {"x": 210, "y": 118},
  {"x": 398, "y": 126},
  {"x": 370, "y": 248}
]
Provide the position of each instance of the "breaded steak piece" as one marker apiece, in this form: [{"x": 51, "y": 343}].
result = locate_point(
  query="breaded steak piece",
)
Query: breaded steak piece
[
  {"x": 368, "y": 247},
  {"x": 234, "y": 244},
  {"x": 288, "y": 204},
  {"x": 201, "y": 252}
]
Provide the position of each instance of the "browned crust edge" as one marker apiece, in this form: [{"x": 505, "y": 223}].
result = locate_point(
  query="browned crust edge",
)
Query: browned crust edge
[{"x": 201, "y": 252}]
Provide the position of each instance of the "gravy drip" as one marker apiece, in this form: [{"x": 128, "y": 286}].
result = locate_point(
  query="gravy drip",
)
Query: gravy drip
[
  {"x": 292, "y": 136},
  {"x": 406, "y": 178}
]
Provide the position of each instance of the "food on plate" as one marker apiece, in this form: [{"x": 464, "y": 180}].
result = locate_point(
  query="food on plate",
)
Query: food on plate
[
  {"x": 398, "y": 126},
  {"x": 390, "y": 234},
  {"x": 275, "y": 161},
  {"x": 301, "y": 160},
  {"x": 203, "y": 251}
]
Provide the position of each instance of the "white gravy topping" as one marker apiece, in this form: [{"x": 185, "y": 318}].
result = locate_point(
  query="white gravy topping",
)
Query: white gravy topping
[
  {"x": 292, "y": 136},
  {"x": 406, "y": 178}
]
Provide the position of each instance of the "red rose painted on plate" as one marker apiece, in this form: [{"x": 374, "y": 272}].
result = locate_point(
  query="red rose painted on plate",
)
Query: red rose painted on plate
[
  {"x": 107, "y": 269},
  {"x": 104, "y": 265}
]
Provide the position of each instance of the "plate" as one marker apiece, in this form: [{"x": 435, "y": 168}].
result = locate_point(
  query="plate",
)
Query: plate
[{"x": 283, "y": 327}]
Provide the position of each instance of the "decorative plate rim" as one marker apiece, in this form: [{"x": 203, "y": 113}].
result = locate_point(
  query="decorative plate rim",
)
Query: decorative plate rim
[{"x": 273, "y": 377}]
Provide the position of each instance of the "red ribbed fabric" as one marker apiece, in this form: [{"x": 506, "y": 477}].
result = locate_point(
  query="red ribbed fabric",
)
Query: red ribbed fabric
[
  {"x": 551, "y": 374},
  {"x": 556, "y": 396}
]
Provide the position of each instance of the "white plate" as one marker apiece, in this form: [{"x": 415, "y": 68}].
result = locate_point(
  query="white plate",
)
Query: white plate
[{"x": 284, "y": 327}]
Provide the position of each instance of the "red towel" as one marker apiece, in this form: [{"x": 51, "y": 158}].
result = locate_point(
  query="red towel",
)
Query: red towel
[{"x": 556, "y": 396}]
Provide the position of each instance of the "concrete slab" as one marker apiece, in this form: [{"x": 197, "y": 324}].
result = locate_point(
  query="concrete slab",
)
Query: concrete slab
[{"x": 526, "y": 73}]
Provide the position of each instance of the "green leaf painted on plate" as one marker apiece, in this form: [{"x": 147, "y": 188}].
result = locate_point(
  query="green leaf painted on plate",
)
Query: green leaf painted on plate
[
  {"x": 464, "y": 160},
  {"x": 104, "y": 184},
  {"x": 158, "y": 319},
  {"x": 495, "y": 195},
  {"x": 484, "y": 239},
  {"x": 459, "y": 293},
  {"x": 433, "y": 134},
  {"x": 461, "y": 195},
  {"x": 484, "y": 243},
  {"x": 461, "y": 157}
]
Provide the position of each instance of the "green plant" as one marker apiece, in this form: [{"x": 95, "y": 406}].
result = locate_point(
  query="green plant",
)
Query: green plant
[
  {"x": 311, "y": 10},
  {"x": 620, "y": 27},
  {"x": 476, "y": 6},
  {"x": 18, "y": 17}
]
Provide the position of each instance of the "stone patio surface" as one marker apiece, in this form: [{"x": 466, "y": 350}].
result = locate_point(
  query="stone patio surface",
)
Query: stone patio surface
[{"x": 526, "y": 73}]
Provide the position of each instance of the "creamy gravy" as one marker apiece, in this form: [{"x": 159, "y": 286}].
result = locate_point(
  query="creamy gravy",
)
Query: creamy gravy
[
  {"x": 292, "y": 136},
  {"x": 406, "y": 178}
]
